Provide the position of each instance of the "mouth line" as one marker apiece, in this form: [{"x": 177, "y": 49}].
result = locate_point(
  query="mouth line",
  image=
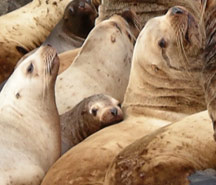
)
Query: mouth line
[{"x": 188, "y": 28}]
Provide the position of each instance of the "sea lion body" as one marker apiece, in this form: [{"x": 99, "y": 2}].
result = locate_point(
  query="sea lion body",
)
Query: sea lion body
[
  {"x": 168, "y": 155},
  {"x": 157, "y": 95},
  {"x": 94, "y": 70},
  {"x": 73, "y": 28},
  {"x": 173, "y": 153},
  {"x": 66, "y": 59},
  {"x": 89, "y": 116},
  {"x": 28, "y": 117}
]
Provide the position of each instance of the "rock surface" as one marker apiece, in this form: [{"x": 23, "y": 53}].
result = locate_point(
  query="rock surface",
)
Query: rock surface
[{"x": 8, "y": 5}]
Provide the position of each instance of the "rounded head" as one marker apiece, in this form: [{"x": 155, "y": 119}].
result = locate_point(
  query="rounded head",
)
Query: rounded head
[
  {"x": 34, "y": 75},
  {"x": 174, "y": 42},
  {"x": 104, "y": 110},
  {"x": 79, "y": 17}
]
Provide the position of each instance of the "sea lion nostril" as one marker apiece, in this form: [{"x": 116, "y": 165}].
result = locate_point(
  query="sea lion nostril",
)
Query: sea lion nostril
[
  {"x": 114, "y": 111},
  {"x": 177, "y": 10},
  {"x": 82, "y": 4}
]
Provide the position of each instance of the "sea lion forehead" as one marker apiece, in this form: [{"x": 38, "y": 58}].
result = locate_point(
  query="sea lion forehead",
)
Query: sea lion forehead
[
  {"x": 157, "y": 26},
  {"x": 102, "y": 100}
]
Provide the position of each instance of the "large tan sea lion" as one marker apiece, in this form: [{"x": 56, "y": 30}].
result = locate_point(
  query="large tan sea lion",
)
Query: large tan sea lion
[
  {"x": 170, "y": 154},
  {"x": 160, "y": 91},
  {"x": 29, "y": 121},
  {"x": 102, "y": 65},
  {"x": 76, "y": 23},
  {"x": 87, "y": 117}
]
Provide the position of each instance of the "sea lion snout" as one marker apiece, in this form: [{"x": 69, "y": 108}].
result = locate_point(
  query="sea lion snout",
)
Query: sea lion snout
[
  {"x": 111, "y": 115},
  {"x": 114, "y": 111}
]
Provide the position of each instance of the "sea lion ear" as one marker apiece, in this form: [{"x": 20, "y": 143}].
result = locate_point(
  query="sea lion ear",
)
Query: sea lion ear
[{"x": 21, "y": 50}]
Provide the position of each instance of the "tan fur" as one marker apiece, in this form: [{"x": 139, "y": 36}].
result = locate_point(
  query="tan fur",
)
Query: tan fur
[
  {"x": 157, "y": 94},
  {"x": 67, "y": 58},
  {"x": 168, "y": 155},
  {"x": 95, "y": 69},
  {"x": 27, "y": 28},
  {"x": 29, "y": 121}
]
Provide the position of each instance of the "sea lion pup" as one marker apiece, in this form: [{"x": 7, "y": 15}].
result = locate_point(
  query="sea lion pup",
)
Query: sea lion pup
[
  {"x": 89, "y": 116},
  {"x": 73, "y": 28},
  {"x": 159, "y": 92},
  {"x": 94, "y": 69},
  {"x": 29, "y": 121},
  {"x": 169, "y": 155}
]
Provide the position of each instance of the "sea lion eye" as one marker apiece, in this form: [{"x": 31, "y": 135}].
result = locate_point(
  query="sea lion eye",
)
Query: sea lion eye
[
  {"x": 30, "y": 68},
  {"x": 162, "y": 43},
  {"x": 119, "y": 105},
  {"x": 94, "y": 111}
]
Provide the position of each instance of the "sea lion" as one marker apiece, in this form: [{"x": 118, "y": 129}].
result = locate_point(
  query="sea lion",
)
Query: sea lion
[
  {"x": 159, "y": 92},
  {"x": 73, "y": 28},
  {"x": 87, "y": 117},
  {"x": 171, "y": 154},
  {"x": 25, "y": 29},
  {"x": 94, "y": 70},
  {"x": 30, "y": 129}
]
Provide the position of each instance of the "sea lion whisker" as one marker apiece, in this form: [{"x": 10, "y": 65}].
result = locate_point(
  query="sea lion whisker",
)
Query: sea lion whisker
[{"x": 203, "y": 11}]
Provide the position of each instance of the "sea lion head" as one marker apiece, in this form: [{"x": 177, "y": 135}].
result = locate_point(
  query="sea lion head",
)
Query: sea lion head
[
  {"x": 172, "y": 44},
  {"x": 104, "y": 110},
  {"x": 79, "y": 17},
  {"x": 126, "y": 21},
  {"x": 34, "y": 76}
]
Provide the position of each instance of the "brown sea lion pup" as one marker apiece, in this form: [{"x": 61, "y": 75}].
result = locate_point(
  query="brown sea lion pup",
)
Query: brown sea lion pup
[
  {"x": 160, "y": 91},
  {"x": 73, "y": 28},
  {"x": 89, "y": 116},
  {"x": 96, "y": 71},
  {"x": 25, "y": 29},
  {"x": 30, "y": 129}
]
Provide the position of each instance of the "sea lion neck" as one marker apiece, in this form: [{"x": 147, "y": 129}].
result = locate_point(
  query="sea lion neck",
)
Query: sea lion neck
[{"x": 163, "y": 98}]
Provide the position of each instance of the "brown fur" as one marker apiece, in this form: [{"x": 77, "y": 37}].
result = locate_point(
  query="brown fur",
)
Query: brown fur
[
  {"x": 78, "y": 123},
  {"x": 74, "y": 27},
  {"x": 209, "y": 56}
]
